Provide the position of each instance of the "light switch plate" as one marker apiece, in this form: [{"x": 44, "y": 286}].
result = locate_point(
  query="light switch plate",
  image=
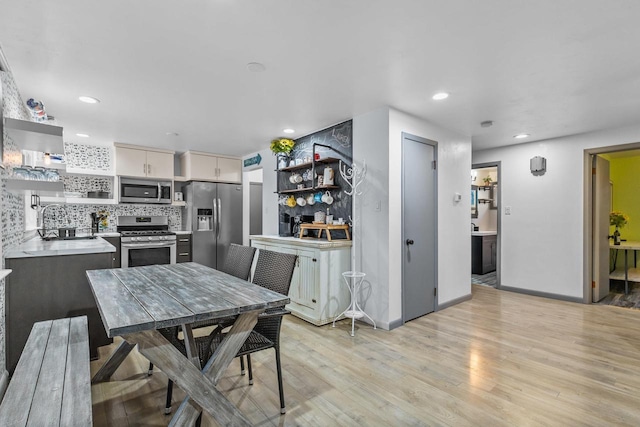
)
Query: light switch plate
[{"x": 507, "y": 210}]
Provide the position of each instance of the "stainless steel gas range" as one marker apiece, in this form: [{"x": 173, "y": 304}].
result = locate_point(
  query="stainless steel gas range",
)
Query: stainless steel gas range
[{"x": 146, "y": 240}]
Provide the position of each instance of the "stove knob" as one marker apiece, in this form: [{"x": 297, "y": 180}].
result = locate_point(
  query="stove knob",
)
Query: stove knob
[
  {"x": 138, "y": 238},
  {"x": 150, "y": 238}
]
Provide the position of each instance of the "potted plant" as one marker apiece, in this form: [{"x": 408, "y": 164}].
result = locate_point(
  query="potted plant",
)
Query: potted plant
[
  {"x": 282, "y": 147},
  {"x": 487, "y": 180},
  {"x": 618, "y": 220}
]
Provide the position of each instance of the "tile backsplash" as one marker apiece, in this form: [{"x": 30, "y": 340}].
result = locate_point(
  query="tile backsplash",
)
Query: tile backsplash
[
  {"x": 79, "y": 215},
  {"x": 92, "y": 157}
]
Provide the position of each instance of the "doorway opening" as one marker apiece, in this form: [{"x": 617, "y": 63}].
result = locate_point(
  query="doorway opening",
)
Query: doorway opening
[
  {"x": 252, "y": 201},
  {"x": 613, "y": 221},
  {"x": 485, "y": 224}
]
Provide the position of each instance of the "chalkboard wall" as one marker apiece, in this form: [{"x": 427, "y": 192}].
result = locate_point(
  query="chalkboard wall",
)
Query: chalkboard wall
[{"x": 339, "y": 139}]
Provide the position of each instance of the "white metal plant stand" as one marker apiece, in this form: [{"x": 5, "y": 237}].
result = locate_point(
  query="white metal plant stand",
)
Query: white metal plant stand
[{"x": 354, "y": 279}]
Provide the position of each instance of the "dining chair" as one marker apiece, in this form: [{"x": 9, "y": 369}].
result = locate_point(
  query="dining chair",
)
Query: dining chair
[
  {"x": 274, "y": 271},
  {"x": 237, "y": 263}
]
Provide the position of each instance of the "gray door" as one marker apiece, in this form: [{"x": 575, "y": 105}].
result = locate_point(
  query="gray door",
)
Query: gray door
[
  {"x": 229, "y": 217},
  {"x": 255, "y": 208},
  {"x": 419, "y": 220},
  {"x": 201, "y": 208}
]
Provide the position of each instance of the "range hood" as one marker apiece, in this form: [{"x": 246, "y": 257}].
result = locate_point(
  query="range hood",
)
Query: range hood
[{"x": 35, "y": 136}]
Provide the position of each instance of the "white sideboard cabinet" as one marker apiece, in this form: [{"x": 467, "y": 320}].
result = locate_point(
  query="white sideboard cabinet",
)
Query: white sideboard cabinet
[{"x": 318, "y": 292}]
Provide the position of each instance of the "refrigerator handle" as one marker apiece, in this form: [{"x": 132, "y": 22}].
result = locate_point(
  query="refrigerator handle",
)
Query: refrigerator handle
[
  {"x": 219, "y": 217},
  {"x": 215, "y": 217}
]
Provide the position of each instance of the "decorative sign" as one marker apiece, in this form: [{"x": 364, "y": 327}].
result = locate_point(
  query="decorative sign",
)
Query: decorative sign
[{"x": 255, "y": 160}]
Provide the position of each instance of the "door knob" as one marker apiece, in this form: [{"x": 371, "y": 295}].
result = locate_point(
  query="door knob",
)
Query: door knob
[{"x": 409, "y": 242}]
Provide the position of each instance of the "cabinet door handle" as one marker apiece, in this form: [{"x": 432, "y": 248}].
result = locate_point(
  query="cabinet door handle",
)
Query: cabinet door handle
[
  {"x": 315, "y": 260},
  {"x": 184, "y": 254},
  {"x": 183, "y": 240},
  {"x": 313, "y": 300},
  {"x": 148, "y": 169},
  {"x": 144, "y": 168}
]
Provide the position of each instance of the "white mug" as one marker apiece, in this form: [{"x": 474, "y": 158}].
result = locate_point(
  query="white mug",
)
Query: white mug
[
  {"x": 301, "y": 201},
  {"x": 326, "y": 198},
  {"x": 311, "y": 200}
]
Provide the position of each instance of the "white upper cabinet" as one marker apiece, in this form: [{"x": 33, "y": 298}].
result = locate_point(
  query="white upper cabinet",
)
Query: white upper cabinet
[
  {"x": 143, "y": 162},
  {"x": 198, "y": 166}
]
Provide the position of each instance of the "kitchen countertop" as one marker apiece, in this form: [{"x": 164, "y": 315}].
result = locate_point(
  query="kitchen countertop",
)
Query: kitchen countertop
[
  {"x": 36, "y": 247},
  {"x": 484, "y": 233},
  {"x": 182, "y": 232},
  {"x": 309, "y": 243}
]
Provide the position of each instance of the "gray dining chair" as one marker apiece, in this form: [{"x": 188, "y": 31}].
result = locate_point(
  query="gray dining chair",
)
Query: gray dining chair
[
  {"x": 237, "y": 263},
  {"x": 274, "y": 271}
]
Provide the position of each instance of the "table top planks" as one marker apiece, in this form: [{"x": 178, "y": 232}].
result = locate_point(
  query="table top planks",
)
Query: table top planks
[{"x": 159, "y": 296}]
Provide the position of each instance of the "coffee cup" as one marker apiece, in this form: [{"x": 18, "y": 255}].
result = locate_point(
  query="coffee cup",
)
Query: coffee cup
[
  {"x": 291, "y": 202},
  {"x": 311, "y": 199},
  {"x": 327, "y": 198},
  {"x": 329, "y": 219},
  {"x": 292, "y": 163},
  {"x": 298, "y": 162},
  {"x": 318, "y": 197},
  {"x": 296, "y": 178},
  {"x": 301, "y": 201}
]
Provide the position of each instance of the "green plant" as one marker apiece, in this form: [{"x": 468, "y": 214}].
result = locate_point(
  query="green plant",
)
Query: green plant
[
  {"x": 618, "y": 219},
  {"x": 282, "y": 145},
  {"x": 487, "y": 180}
]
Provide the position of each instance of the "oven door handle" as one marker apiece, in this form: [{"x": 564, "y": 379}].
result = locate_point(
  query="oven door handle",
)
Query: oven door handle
[
  {"x": 147, "y": 245},
  {"x": 159, "y": 192}
]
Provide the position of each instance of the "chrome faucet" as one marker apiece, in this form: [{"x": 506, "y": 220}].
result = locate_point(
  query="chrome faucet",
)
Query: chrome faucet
[{"x": 43, "y": 211}]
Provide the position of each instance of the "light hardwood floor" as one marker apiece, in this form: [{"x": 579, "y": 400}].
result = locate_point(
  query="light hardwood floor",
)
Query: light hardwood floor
[{"x": 500, "y": 359}]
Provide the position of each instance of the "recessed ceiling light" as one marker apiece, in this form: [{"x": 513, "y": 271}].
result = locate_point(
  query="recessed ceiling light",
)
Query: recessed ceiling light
[
  {"x": 89, "y": 99},
  {"x": 256, "y": 67},
  {"x": 440, "y": 96},
  {"x": 486, "y": 124},
  {"x": 521, "y": 135},
  {"x": 82, "y": 135},
  {"x": 288, "y": 130}
]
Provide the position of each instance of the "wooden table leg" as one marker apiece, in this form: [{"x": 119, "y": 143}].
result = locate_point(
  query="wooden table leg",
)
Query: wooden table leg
[
  {"x": 347, "y": 233},
  {"x": 328, "y": 235},
  {"x": 113, "y": 362},
  {"x": 215, "y": 367},
  {"x": 201, "y": 389}
]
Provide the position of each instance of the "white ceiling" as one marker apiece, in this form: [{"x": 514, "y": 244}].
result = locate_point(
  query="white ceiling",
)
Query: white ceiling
[{"x": 546, "y": 67}]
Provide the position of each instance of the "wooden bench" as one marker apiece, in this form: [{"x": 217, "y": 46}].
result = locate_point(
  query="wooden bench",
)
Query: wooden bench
[{"x": 51, "y": 384}]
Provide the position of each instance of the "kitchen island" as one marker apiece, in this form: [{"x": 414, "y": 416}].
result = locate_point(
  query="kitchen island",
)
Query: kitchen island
[
  {"x": 48, "y": 282},
  {"x": 318, "y": 293}
]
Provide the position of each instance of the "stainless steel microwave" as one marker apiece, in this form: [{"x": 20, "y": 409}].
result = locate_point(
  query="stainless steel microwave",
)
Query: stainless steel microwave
[{"x": 144, "y": 191}]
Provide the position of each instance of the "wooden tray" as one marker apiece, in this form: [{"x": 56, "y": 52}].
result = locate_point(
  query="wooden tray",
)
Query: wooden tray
[{"x": 323, "y": 227}]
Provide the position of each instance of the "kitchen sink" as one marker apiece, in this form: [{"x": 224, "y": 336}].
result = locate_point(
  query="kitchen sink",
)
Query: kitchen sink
[{"x": 49, "y": 238}]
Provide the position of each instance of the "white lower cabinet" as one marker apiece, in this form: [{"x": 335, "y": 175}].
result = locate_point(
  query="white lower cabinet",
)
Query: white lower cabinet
[{"x": 318, "y": 292}]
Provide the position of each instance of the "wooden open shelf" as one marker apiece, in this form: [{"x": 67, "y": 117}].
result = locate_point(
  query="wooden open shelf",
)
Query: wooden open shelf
[
  {"x": 307, "y": 189},
  {"x": 308, "y": 165}
]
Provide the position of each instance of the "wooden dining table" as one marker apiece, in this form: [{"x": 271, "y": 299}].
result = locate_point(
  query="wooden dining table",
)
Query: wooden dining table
[{"x": 135, "y": 302}]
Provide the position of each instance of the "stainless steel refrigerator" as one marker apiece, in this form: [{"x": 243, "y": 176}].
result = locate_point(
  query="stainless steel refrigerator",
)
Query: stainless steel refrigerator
[{"x": 214, "y": 216}]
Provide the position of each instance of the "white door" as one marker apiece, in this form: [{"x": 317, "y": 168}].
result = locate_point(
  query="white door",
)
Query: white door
[{"x": 601, "y": 208}]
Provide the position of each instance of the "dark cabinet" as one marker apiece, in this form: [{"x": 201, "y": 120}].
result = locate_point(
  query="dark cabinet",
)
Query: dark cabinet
[
  {"x": 51, "y": 287},
  {"x": 115, "y": 241},
  {"x": 183, "y": 248},
  {"x": 483, "y": 254}
]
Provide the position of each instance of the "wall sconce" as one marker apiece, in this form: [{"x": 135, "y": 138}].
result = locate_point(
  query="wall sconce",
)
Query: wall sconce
[{"x": 538, "y": 165}]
